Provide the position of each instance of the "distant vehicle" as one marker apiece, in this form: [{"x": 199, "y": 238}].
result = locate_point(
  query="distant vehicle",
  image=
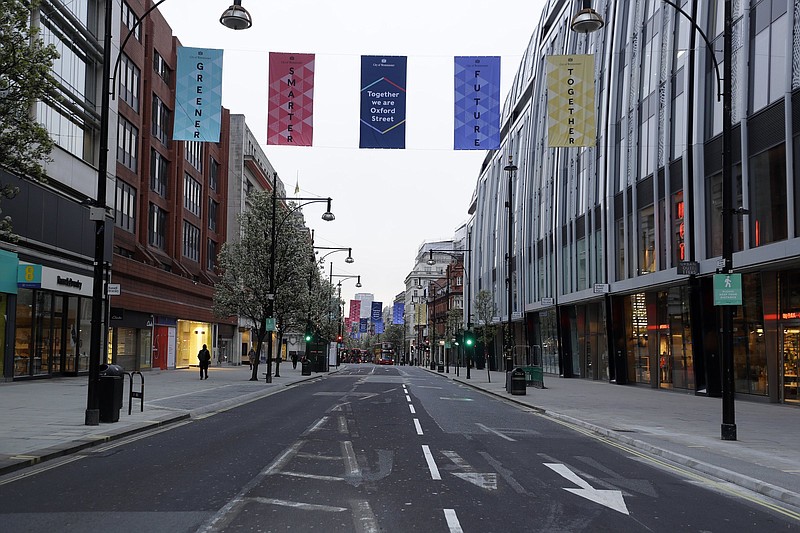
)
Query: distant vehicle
[{"x": 383, "y": 353}]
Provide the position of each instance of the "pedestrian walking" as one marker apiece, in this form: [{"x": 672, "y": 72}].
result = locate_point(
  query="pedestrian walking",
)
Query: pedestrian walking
[
  {"x": 294, "y": 359},
  {"x": 204, "y": 357},
  {"x": 251, "y": 356}
]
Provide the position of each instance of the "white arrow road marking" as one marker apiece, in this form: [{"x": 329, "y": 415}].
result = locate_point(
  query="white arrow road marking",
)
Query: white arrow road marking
[
  {"x": 610, "y": 498},
  {"x": 486, "y": 481}
]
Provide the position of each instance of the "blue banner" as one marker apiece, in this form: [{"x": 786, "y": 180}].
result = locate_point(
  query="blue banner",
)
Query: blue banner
[
  {"x": 379, "y": 327},
  {"x": 477, "y": 103},
  {"x": 383, "y": 102},
  {"x": 376, "y": 314},
  {"x": 398, "y": 313},
  {"x": 198, "y": 95},
  {"x": 362, "y": 325}
]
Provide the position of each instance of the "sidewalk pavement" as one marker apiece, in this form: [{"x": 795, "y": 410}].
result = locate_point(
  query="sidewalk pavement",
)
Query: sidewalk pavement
[
  {"x": 44, "y": 419},
  {"x": 41, "y": 420},
  {"x": 678, "y": 426}
]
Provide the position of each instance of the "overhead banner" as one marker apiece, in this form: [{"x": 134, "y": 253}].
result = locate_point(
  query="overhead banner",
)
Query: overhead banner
[
  {"x": 355, "y": 310},
  {"x": 383, "y": 102},
  {"x": 291, "y": 99},
  {"x": 376, "y": 315},
  {"x": 398, "y": 313},
  {"x": 379, "y": 327},
  {"x": 366, "y": 305},
  {"x": 571, "y": 116},
  {"x": 363, "y": 323},
  {"x": 198, "y": 95},
  {"x": 477, "y": 103}
]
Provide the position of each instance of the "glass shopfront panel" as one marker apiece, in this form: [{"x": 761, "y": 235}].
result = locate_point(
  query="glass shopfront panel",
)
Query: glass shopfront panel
[
  {"x": 638, "y": 355},
  {"x": 24, "y": 333},
  {"x": 191, "y": 338},
  {"x": 749, "y": 349},
  {"x": 51, "y": 334}
]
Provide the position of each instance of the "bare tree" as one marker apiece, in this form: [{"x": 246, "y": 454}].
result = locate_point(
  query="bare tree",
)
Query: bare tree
[{"x": 485, "y": 310}]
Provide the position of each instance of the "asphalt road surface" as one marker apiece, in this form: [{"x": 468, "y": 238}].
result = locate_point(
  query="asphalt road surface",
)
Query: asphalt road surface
[{"x": 375, "y": 449}]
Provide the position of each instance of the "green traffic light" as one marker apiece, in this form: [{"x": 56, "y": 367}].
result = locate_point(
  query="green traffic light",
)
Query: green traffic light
[{"x": 469, "y": 340}]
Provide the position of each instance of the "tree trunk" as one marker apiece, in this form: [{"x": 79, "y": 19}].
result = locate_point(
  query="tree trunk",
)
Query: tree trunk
[{"x": 259, "y": 343}]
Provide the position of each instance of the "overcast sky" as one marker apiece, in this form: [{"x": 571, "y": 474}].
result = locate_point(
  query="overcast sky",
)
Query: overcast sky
[{"x": 386, "y": 202}]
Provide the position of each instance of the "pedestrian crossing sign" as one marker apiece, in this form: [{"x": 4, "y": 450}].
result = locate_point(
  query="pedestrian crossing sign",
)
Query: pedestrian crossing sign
[{"x": 727, "y": 289}]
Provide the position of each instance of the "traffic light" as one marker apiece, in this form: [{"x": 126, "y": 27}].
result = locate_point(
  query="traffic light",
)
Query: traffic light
[
  {"x": 309, "y": 336},
  {"x": 338, "y": 338},
  {"x": 469, "y": 339}
]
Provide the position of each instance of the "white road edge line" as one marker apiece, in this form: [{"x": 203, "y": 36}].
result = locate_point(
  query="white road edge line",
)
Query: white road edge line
[
  {"x": 299, "y": 505},
  {"x": 316, "y": 426},
  {"x": 452, "y": 521},
  {"x": 350, "y": 461},
  {"x": 490, "y": 430},
  {"x": 416, "y": 425},
  {"x": 431, "y": 463},
  {"x": 363, "y": 518}
]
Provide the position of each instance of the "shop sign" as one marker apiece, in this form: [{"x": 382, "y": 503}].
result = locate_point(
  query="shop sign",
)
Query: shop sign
[
  {"x": 727, "y": 289},
  {"x": 29, "y": 276},
  {"x": 548, "y": 301},
  {"x": 688, "y": 268},
  {"x": 9, "y": 269}
]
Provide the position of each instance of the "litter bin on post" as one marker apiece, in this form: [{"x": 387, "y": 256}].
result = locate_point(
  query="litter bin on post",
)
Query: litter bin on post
[
  {"x": 305, "y": 368},
  {"x": 110, "y": 392},
  {"x": 518, "y": 385}
]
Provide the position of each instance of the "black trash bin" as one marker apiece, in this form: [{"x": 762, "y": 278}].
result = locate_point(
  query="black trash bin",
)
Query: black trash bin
[
  {"x": 518, "y": 385},
  {"x": 110, "y": 389},
  {"x": 305, "y": 368}
]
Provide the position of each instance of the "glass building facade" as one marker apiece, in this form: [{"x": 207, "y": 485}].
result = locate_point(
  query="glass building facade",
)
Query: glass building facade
[{"x": 615, "y": 245}]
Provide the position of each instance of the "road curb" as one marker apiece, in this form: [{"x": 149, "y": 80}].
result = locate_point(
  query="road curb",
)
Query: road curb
[
  {"x": 13, "y": 463},
  {"x": 9, "y": 464},
  {"x": 761, "y": 487}
]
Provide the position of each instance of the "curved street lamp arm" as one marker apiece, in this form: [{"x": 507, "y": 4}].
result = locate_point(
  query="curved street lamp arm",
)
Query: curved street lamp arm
[
  {"x": 705, "y": 39},
  {"x": 136, "y": 24}
]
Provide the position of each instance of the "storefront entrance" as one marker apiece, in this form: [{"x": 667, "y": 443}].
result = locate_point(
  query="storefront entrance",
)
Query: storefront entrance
[{"x": 790, "y": 359}]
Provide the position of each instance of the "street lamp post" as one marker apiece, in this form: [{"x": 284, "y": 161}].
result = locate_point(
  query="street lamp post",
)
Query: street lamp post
[
  {"x": 456, "y": 254},
  {"x": 341, "y": 315},
  {"x": 585, "y": 23},
  {"x": 235, "y": 17},
  {"x": 330, "y": 283},
  {"x": 326, "y": 216},
  {"x": 432, "y": 313},
  {"x": 510, "y": 168}
]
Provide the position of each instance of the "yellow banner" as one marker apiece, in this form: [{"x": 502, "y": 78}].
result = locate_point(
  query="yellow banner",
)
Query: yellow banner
[{"x": 571, "y": 117}]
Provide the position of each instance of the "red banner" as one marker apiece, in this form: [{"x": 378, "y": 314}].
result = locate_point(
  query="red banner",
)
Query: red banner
[
  {"x": 291, "y": 99},
  {"x": 355, "y": 310}
]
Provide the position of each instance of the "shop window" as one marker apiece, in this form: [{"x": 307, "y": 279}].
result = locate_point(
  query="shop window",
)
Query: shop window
[
  {"x": 768, "y": 197},
  {"x": 647, "y": 239},
  {"x": 714, "y": 213},
  {"x": 124, "y": 345},
  {"x": 749, "y": 350},
  {"x": 638, "y": 356}
]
